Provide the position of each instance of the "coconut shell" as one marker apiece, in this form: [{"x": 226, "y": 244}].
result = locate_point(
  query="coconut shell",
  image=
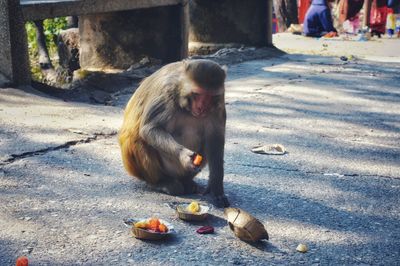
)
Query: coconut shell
[{"x": 245, "y": 226}]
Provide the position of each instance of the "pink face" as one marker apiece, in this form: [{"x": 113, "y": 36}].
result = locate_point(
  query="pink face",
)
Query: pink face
[{"x": 202, "y": 101}]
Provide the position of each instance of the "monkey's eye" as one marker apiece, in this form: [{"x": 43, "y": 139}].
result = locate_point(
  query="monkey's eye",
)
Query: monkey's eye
[
  {"x": 195, "y": 95},
  {"x": 217, "y": 98}
]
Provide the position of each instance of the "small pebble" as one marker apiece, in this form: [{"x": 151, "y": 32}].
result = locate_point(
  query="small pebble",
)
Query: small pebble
[{"x": 302, "y": 248}]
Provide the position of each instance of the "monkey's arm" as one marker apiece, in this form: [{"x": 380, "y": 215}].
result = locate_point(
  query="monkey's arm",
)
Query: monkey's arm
[
  {"x": 152, "y": 129},
  {"x": 214, "y": 149}
]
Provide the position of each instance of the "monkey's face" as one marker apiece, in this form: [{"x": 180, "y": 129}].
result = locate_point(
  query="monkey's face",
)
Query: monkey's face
[
  {"x": 203, "y": 101},
  {"x": 200, "y": 104}
]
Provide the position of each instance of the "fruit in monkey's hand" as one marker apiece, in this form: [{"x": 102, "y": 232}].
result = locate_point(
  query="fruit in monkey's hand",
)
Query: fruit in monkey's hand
[{"x": 197, "y": 159}]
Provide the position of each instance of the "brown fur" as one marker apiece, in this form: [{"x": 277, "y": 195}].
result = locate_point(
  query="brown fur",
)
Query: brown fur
[{"x": 159, "y": 133}]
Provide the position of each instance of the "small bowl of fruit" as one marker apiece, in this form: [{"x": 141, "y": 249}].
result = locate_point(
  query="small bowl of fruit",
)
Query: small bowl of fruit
[
  {"x": 150, "y": 229},
  {"x": 193, "y": 211}
]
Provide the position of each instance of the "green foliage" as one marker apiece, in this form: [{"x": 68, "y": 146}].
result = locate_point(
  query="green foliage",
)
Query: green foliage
[
  {"x": 52, "y": 28},
  {"x": 30, "y": 30},
  {"x": 33, "y": 51}
]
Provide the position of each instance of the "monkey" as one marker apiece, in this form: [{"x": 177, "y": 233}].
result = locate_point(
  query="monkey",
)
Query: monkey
[{"x": 176, "y": 113}]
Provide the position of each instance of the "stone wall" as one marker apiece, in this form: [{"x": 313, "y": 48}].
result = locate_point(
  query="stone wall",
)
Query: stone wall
[
  {"x": 14, "y": 61},
  {"x": 119, "y": 39},
  {"x": 229, "y": 21}
]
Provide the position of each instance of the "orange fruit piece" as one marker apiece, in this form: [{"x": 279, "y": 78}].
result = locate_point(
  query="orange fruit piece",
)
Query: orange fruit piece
[
  {"x": 197, "y": 159},
  {"x": 153, "y": 224},
  {"x": 22, "y": 261},
  {"x": 162, "y": 228}
]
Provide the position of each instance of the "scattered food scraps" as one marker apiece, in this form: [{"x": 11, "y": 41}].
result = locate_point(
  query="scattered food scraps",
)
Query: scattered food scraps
[
  {"x": 274, "y": 149},
  {"x": 205, "y": 230},
  {"x": 22, "y": 261}
]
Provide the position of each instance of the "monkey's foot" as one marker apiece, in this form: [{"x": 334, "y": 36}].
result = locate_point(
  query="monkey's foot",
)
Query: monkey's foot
[
  {"x": 220, "y": 201},
  {"x": 170, "y": 187},
  {"x": 190, "y": 186}
]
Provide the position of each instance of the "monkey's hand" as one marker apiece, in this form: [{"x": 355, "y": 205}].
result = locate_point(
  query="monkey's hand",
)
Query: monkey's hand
[
  {"x": 219, "y": 200},
  {"x": 186, "y": 158}
]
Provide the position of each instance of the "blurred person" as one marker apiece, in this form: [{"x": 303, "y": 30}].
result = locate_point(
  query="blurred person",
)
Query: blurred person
[
  {"x": 348, "y": 15},
  {"x": 394, "y": 5},
  {"x": 318, "y": 21},
  {"x": 349, "y": 9},
  {"x": 302, "y": 9},
  {"x": 378, "y": 17},
  {"x": 286, "y": 13},
  {"x": 391, "y": 23}
]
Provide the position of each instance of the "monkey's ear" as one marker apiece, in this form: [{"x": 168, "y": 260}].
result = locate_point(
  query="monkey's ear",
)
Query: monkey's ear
[
  {"x": 186, "y": 64},
  {"x": 225, "y": 68}
]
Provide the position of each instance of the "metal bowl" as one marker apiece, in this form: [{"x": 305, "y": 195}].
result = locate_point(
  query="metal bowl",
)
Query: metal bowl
[
  {"x": 186, "y": 215},
  {"x": 148, "y": 234}
]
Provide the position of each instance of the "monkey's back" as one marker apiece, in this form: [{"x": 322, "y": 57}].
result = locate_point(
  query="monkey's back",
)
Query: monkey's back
[{"x": 137, "y": 156}]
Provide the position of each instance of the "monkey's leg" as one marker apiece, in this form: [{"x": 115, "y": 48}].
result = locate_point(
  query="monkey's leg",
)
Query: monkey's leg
[
  {"x": 190, "y": 186},
  {"x": 169, "y": 186},
  {"x": 214, "y": 153},
  {"x": 221, "y": 201}
]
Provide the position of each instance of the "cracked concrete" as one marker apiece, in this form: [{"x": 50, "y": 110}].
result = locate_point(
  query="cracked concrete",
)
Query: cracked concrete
[
  {"x": 336, "y": 189},
  {"x": 38, "y": 122},
  {"x": 13, "y": 157}
]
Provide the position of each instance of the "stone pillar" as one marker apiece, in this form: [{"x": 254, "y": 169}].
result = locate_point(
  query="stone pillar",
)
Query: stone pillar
[
  {"x": 231, "y": 21},
  {"x": 14, "y": 58},
  {"x": 269, "y": 23},
  {"x": 117, "y": 40}
]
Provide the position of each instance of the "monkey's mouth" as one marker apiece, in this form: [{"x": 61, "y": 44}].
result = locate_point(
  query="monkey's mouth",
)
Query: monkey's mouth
[{"x": 199, "y": 114}]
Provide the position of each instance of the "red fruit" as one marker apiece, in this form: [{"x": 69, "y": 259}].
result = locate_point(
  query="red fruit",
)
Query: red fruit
[
  {"x": 205, "y": 230},
  {"x": 22, "y": 261}
]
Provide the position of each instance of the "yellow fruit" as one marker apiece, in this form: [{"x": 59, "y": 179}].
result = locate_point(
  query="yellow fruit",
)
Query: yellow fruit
[
  {"x": 141, "y": 224},
  {"x": 193, "y": 207}
]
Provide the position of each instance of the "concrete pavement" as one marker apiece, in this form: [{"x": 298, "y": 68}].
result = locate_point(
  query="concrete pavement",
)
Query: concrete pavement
[{"x": 64, "y": 192}]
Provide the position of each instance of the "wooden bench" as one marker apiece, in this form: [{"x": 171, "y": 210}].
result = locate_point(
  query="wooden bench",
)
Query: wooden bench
[{"x": 14, "y": 60}]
